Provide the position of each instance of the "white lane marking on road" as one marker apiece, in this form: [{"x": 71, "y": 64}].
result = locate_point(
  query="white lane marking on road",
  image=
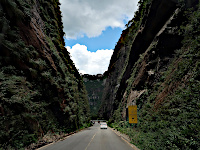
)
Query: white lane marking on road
[{"x": 90, "y": 141}]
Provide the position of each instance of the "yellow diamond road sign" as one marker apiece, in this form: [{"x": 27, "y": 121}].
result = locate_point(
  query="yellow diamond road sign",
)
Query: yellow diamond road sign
[{"x": 132, "y": 114}]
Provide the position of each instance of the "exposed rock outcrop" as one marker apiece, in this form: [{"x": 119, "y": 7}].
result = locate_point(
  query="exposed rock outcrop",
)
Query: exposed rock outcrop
[{"x": 154, "y": 65}]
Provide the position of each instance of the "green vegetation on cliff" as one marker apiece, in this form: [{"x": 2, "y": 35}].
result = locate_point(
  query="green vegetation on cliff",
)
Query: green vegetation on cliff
[
  {"x": 40, "y": 88},
  {"x": 160, "y": 76}
]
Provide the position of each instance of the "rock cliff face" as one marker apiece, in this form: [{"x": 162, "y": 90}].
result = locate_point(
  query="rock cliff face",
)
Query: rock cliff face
[
  {"x": 40, "y": 88},
  {"x": 155, "y": 66}
]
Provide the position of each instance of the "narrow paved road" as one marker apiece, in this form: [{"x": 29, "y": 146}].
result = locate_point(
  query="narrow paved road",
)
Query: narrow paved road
[{"x": 92, "y": 138}]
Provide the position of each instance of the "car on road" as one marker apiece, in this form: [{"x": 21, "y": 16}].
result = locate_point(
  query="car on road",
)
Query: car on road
[{"x": 103, "y": 125}]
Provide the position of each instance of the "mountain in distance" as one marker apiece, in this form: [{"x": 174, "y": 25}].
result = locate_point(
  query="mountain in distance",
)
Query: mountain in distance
[{"x": 94, "y": 85}]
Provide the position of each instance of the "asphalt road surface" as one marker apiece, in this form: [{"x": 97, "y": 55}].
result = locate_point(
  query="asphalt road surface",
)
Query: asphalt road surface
[{"x": 92, "y": 138}]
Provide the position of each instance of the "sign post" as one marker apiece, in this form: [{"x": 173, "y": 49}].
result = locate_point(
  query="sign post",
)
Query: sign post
[{"x": 132, "y": 114}]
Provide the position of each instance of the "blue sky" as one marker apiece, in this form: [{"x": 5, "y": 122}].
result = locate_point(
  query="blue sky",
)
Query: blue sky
[
  {"x": 107, "y": 40},
  {"x": 92, "y": 29}
]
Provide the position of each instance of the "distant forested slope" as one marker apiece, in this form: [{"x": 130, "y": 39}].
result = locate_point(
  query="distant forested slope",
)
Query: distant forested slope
[{"x": 94, "y": 85}]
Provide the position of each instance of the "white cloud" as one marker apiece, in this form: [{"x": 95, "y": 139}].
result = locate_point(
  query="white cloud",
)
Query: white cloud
[
  {"x": 91, "y": 17},
  {"x": 90, "y": 62}
]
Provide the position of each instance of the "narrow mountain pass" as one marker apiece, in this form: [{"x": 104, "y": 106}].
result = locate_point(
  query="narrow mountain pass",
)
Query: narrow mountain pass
[{"x": 92, "y": 138}]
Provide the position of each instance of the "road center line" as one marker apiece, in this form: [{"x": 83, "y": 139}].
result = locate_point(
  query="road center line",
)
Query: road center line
[{"x": 90, "y": 141}]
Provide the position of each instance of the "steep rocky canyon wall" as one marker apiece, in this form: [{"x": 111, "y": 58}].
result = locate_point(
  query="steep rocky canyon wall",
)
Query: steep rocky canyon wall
[
  {"x": 155, "y": 66},
  {"x": 40, "y": 88}
]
